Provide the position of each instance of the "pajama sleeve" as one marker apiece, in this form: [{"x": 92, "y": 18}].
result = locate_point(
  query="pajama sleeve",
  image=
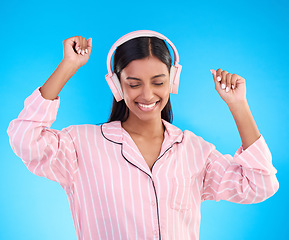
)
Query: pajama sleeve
[
  {"x": 248, "y": 177},
  {"x": 45, "y": 152}
]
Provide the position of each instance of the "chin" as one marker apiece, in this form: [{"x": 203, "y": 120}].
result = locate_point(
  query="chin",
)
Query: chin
[{"x": 145, "y": 116}]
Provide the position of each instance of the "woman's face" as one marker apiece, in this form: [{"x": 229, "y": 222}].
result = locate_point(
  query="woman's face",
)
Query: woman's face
[{"x": 145, "y": 85}]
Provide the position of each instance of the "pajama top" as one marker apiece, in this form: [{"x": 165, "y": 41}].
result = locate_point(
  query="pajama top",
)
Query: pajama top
[{"x": 111, "y": 191}]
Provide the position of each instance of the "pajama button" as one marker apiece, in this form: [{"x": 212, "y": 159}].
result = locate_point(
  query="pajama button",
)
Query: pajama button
[
  {"x": 153, "y": 203},
  {"x": 155, "y": 232}
]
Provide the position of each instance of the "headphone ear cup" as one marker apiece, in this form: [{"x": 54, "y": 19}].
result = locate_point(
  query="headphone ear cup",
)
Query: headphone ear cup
[
  {"x": 175, "y": 78},
  {"x": 115, "y": 87}
]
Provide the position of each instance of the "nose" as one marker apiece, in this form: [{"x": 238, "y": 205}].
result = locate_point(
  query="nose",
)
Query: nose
[{"x": 147, "y": 92}]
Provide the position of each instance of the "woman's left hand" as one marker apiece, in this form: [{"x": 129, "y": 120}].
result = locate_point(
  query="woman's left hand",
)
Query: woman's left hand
[{"x": 231, "y": 87}]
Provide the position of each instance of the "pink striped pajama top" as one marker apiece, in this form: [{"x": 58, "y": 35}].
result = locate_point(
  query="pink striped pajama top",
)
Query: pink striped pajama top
[{"x": 112, "y": 192}]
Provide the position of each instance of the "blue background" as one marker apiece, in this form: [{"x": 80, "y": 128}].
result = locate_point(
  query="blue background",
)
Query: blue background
[{"x": 249, "y": 38}]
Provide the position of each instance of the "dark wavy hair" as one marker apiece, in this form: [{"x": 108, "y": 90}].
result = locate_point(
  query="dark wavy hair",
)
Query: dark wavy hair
[{"x": 139, "y": 48}]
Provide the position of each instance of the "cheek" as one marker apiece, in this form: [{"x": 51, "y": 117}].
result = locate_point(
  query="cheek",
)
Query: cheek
[
  {"x": 126, "y": 91},
  {"x": 166, "y": 99},
  {"x": 129, "y": 94},
  {"x": 166, "y": 96},
  {"x": 164, "y": 93}
]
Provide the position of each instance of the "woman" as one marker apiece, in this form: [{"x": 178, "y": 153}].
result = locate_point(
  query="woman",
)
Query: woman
[{"x": 138, "y": 176}]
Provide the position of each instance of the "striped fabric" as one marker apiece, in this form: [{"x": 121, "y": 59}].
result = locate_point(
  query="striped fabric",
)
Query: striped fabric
[{"x": 111, "y": 190}]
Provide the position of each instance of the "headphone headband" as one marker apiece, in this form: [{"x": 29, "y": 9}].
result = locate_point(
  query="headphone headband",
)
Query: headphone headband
[
  {"x": 135, "y": 34},
  {"x": 111, "y": 77}
]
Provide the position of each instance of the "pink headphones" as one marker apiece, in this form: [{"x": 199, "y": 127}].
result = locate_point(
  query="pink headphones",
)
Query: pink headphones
[{"x": 112, "y": 78}]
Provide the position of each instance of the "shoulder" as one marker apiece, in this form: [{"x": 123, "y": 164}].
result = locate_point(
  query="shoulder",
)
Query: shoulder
[
  {"x": 83, "y": 130},
  {"x": 96, "y": 132},
  {"x": 192, "y": 140}
]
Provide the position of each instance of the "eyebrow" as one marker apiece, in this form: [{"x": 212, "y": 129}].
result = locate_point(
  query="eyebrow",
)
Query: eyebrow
[{"x": 156, "y": 76}]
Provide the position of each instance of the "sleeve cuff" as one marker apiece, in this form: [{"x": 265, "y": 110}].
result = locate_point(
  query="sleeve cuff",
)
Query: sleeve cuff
[
  {"x": 257, "y": 156},
  {"x": 241, "y": 149},
  {"x": 37, "y": 108}
]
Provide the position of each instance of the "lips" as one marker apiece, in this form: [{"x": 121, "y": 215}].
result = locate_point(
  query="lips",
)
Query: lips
[{"x": 147, "y": 107}]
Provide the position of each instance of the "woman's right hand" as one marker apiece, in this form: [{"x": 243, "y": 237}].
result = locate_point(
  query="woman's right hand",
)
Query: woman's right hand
[
  {"x": 76, "y": 50},
  {"x": 75, "y": 55}
]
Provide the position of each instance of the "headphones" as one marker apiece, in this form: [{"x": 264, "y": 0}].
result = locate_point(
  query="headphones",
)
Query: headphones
[{"x": 114, "y": 82}]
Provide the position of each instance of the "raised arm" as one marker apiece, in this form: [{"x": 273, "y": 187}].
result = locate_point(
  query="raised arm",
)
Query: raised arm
[
  {"x": 232, "y": 89},
  {"x": 76, "y": 52},
  {"x": 249, "y": 176},
  {"x": 47, "y": 152}
]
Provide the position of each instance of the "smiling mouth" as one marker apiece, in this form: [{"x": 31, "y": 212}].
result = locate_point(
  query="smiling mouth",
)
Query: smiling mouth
[{"x": 147, "y": 106}]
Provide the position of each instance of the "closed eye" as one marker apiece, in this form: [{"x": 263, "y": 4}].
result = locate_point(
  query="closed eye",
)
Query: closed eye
[{"x": 134, "y": 86}]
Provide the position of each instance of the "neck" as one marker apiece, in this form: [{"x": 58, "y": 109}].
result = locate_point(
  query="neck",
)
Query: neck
[{"x": 152, "y": 128}]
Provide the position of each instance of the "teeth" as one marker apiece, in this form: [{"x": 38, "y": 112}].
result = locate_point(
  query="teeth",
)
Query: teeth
[{"x": 147, "y": 106}]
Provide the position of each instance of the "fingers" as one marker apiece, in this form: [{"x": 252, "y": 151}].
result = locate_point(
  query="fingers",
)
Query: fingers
[
  {"x": 227, "y": 76},
  {"x": 227, "y": 81},
  {"x": 234, "y": 81},
  {"x": 82, "y": 46},
  {"x": 89, "y": 45},
  {"x": 217, "y": 85}
]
